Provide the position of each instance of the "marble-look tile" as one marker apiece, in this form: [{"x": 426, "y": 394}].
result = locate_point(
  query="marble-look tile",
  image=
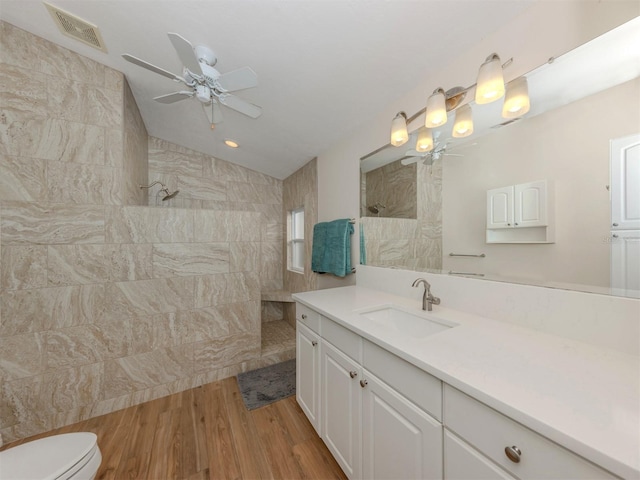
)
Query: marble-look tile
[
  {"x": 22, "y": 179},
  {"x": 23, "y": 267},
  {"x": 254, "y": 193},
  {"x": 76, "y": 264},
  {"x": 27, "y": 135},
  {"x": 262, "y": 178},
  {"x": 36, "y": 223},
  {"x": 26, "y": 311},
  {"x": 168, "y": 161},
  {"x": 199, "y": 188},
  {"x": 138, "y": 372},
  {"x": 186, "y": 259},
  {"x": 21, "y": 90},
  {"x": 150, "y": 332},
  {"x": 225, "y": 171},
  {"x": 144, "y": 297},
  {"x": 244, "y": 256},
  {"x": 87, "y": 344},
  {"x": 114, "y": 148},
  {"x": 226, "y": 226},
  {"x": 271, "y": 311},
  {"x": 149, "y": 225},
  {"x": 113, "y": 79},
  {"x": 21, "y": 356},
  {"x": 136, "y": 151},
  {"x": 82, "y": 184},
  {"x": 273, "y": 232},
  {"x": 129, "y": 261},
  {"x": 109, "y": 405},
  {"x": 213, "y": 290},
  {"x": 271, "y": 259},
  {"x": 20, "y": 401},
  {"x": 85, "y": 103},
  {"x": 69, "y": 388},
  {"x": 242, "y": 317},
  {"x": 204, "y": 324},
  {"x": 226, "y": 351}
]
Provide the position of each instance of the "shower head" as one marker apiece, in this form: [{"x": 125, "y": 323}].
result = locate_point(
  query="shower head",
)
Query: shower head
[
  {"x": 163, "y": 188},
  {"x": 168, "y": 195},
  {"x": 373, "y": 209}
]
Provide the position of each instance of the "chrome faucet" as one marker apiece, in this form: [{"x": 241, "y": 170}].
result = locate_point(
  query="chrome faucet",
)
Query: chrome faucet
[{"x": 427, "y": 299}]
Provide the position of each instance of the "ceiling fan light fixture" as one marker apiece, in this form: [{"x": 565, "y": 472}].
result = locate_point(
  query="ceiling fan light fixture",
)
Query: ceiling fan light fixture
[
  {"x": 203, "y": 93},
  {"x": 231, "y": 143},
  {"x": 425, "y": 141},
  {"x": 399, "y": 133},
  {"x": 516, "y": 100},
  {"x": 436, "y": 114},
  {"x": 463, "y": 125},
  {"x": 490, "y": 83}
]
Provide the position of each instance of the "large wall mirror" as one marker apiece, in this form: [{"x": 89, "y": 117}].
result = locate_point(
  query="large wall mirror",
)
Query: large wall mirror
[{"x": 580, "y": 141}]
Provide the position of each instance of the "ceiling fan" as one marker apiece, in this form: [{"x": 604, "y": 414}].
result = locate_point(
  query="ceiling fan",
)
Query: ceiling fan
[
  {"x": 204, "y": 82},
  {"x": 439, "y": 150}
]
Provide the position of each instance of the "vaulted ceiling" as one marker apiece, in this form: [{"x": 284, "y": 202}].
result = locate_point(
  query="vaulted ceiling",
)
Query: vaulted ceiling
[{"x": 323, "y": 66}]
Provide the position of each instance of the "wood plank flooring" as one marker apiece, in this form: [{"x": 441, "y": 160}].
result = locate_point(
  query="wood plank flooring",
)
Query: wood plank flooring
[{"x": 207, "y": 433}]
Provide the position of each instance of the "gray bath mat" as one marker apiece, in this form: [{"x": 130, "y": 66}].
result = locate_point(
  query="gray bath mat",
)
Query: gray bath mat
[{"x": 267, "y": 385}]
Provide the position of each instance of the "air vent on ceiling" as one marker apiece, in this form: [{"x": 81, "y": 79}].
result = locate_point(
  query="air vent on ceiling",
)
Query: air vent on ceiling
[{"x": 77, "y": 28}]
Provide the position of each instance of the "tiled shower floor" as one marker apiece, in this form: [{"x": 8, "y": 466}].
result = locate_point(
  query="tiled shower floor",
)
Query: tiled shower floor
[{"x": 277, "y": 337}]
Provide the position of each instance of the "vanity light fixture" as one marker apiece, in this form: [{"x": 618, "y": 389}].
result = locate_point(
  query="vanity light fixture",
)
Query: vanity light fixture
[
  {"x": 516, "y": 100},
  {"x": 463, "y": 125},
  {"x": 490, "y": 83},
  {"x": 399, "y": 133},
  {"x": 230, "y": 143},
  {"x": 436, "y": 109},
  {"x": 425, "y": 140}
]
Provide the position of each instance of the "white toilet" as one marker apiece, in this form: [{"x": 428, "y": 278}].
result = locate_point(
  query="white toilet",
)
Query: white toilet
[{"x": 59, "y": 457}]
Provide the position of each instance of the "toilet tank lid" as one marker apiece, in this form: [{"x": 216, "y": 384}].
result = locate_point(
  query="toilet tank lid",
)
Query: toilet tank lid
[{"x": 47, "y": 458}]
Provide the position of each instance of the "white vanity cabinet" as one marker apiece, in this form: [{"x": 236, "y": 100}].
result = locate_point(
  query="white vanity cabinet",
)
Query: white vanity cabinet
[{"x": 308, "y": 363}]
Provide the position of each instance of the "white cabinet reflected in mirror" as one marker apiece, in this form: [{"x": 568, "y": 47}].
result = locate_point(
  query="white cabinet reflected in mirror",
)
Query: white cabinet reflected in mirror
[{"x": 582, "y": 108}]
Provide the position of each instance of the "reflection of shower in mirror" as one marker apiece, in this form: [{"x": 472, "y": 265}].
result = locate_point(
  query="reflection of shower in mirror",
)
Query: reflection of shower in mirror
[{"x": 376, "y": 207}]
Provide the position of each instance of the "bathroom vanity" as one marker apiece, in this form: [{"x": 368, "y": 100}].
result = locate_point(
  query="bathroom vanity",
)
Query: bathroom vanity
[{"x": 396, "y": 392}]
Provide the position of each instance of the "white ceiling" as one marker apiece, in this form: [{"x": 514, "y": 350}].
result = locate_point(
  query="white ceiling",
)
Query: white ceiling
[{"x": 324, "y": 66}]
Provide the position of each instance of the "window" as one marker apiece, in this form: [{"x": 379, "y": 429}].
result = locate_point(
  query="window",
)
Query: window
[{"x": 295, "y": 240}]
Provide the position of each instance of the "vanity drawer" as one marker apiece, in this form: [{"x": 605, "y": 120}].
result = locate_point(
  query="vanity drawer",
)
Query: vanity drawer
[
  {"x": 343, "y": 339},
  {"x": 308, "y": 317},
  {"x": 415, "y": 384},
  {"x": 491, "y": 432}
]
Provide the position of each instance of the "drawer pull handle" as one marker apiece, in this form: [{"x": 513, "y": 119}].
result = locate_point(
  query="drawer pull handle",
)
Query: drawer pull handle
[
  {"x": 363, "y": 383},
  {"x": 353, "y": 374},
  {"x": 304, "y": 317},
  {"x": 314, "y": 343},
  {"x": 513, "y": 453}
]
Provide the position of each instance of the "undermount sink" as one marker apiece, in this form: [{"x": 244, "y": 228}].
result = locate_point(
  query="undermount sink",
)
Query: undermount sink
[{"x": 397, "y": 319}]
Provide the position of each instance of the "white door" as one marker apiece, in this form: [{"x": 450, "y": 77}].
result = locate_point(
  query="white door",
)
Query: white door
[
  {"x": 500, "y": 207},
  {"x": 341, "y": 409},
  {"x": 308, "y": 373},
  {"x": 625, "y": 263},
  {"x": 625, "y": 183},
  {"x": 530, "y": 204},
  {"x": 400, "y": 441}
]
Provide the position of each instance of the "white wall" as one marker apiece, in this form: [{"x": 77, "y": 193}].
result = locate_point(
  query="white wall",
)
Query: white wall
[{"x": 548, "y": 28}]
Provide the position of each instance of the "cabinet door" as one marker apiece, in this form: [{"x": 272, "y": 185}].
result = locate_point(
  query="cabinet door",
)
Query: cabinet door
[
  {"x": 625, "y": 183},
  {"x": 341, "y": 408},
  {"x": 399, "y": 439},
  {"x": 500, "y": 207},
  {"x": 530, "y": 204},
  {"x": 625, "y": 263},
  {"x": 308, "y": 373},
  {"x": 463, "y": 462}
]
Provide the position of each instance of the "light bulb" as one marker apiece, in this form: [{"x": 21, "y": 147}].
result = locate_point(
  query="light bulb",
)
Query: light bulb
[
  {"x": 516, "y": 100},
  {"x": 436, "y": 110},
  {"x": 425, "y": 141},
  {"x": 231, "y": 143},
  {"x": 490, "y": 83},
  {"x": 399, "y": 133},
  {"x": 463, "y": 126}
]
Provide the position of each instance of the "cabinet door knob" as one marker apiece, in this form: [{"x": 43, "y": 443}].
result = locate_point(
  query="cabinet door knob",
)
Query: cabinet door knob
[
  {"x": 353, "y": 374},
  {"x": 363, "y": 383},
  {"x": 304, "y": 317},
  {"x": 615, "y": 224},
  {"x": 516, "y": 224},
  {"x": 614, "y": 235},
  {"x": 508, "y": 224},
  {"x": 314, "y": 343},
  {"x": 513, "y": 453}
]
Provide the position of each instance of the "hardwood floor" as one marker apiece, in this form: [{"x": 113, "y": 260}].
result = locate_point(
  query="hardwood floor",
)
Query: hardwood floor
[{"x": 207, "y": 433}]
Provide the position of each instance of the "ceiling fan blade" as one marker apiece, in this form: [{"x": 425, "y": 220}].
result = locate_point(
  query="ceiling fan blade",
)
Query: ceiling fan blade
[
  {"x": 409, "y": 161},
  {"x": 185, "y": 53},
  {"x": 173, "y": 97},
  {"x": 239, "y": 105},
  {"x": 213, "y": 112},
  {"x": 238, "y": 79},
  {"x": 414, "y": 153},
  {"x": 153, "y": 68}
]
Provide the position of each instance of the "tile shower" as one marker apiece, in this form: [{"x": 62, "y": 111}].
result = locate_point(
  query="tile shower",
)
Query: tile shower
[{"x": 106, "y": 302}]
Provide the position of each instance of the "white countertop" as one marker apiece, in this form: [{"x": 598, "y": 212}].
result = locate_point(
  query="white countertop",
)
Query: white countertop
[{"x": 580, "y": 396}]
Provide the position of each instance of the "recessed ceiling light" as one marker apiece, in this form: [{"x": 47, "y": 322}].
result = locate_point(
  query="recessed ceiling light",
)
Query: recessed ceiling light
[{"x": 231, "y": 143}]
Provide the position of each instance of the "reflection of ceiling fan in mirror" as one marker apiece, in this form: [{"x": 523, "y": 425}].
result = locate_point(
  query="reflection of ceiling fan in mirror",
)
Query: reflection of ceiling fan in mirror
[
  {"x": 436, "y": 153},
  {"x": 204, "y": 82}
]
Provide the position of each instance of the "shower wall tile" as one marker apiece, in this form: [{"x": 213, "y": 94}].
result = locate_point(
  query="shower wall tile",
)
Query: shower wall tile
[
  {"x": 113, "y": 79},
  {"x": 21, "y": 356},
  {"x": 129, "y": 261},
  {"x": 82, "y": 184},
  {"x": 149, "y": 225},
  {"x": 225, "y": 171},
  {"x": 242, "y": 317},
  {"x": 147, "y": 297},
  {"x": 135, "y": 171},
  {"x": 84, "y": 103},
  {"x": 226, "y": 226},
  {"x": 202, "y": 188},
  {"x": 69, "y": 388},
  {"x": 47, "y": 224},
  {"x": 180, "y": 259},
  {"x": 22, "y": 179},
  {"x": 225, "y": 351},
  {"x": 20, "y": 401},
  {"x": 23, "y": 267},
  {"x": 223, "y": 288},
  {"x": 77, "y": 264},
  {"x": 167, "y": 161},
  {"x": 114, "y": 154},
  {"x": 152, "y": 332},
  {"x": 21, "y": 90},
  {"x": 254, "y": 193},
  {"x": 204, "y": 324},
  {"x": 244, "y": 256}
]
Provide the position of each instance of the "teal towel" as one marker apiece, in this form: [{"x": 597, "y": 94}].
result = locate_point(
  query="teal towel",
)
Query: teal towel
[
  {"x": 331, "y": 249},
  {"x": 363, "y": 250}
]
